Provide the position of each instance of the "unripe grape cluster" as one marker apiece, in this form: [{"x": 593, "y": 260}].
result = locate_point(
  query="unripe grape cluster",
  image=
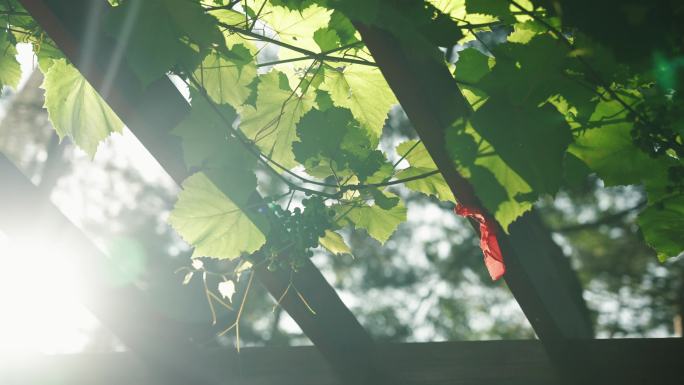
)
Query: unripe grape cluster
[{"x": 294, "y": 233}]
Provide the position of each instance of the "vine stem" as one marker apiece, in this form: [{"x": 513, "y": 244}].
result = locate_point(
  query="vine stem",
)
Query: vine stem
[
  {"x": 240, "y": 136},
  {"x": 236, "y": 324},
  {"x": 313, "y": 55}
]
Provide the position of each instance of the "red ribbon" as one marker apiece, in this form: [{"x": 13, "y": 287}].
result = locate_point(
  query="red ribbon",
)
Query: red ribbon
[{"x": 488, "y": 242}]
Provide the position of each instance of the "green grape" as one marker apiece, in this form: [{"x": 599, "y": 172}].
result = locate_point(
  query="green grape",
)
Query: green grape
[{"x": 295, "y": 232}]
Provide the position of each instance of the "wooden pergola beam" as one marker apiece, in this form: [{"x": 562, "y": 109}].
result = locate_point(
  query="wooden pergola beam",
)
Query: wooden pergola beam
[
  {"x": 76, "y": 28},
  {"x": 630, "y": 362},
  {"x": 538, "y": 274},
  {"x": 26, "y": 216}
]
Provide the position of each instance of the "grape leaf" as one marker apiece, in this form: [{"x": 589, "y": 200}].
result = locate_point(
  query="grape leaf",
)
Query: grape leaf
[
  {"x": 662, "y": 224},
  {"x": 432, "y": 185},
  {"x": 272, "y": 123},
  {"x": 326, "y": 39},
  {"x": 378, "y": 222},
  {"x": 531, "y": 140},
  {"x": 211, "y": 222},
  {"x": 498, "y": 8},
  {"x": 364, "y": 91},
  {"x": 509, "y": 210},
  {"x": 296, "y": 27},
  {"x": 226, "y": 79},
  {"x": 11, "y": 71},
  {"x": 609, "y": 150},
  {"x": 471, "y": 66},
  {"x": 487, "y": 188},
  {"x": 332, "y": 142},
  {"x": 204, "y": 132},
  {"x": 158, "y": 33},
  {"x": 75, "y": 109},
  {"x": 334, "y": 243},
  {"x": 507, "y": 207},
  {"x": 420, "y": 163}
]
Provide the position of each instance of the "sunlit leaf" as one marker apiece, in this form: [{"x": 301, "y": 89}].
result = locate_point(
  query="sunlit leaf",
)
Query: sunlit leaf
[
  {"x": 364, "y": 91},
  {"x": 10, "y": 72},
  {"x": 272, "y": 124},
  {"x": 227, "y": 79},
  {"x": 76, "y": 109},
  {"x": 334, "y": 243},
  {"x": 662, "y": 225},
  {"x": 378, "y": 222},
  {"x": 208, "y": 220}
]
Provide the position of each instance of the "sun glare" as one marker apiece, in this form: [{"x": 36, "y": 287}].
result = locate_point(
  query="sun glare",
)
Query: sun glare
[{"x": 39, "y": 295}]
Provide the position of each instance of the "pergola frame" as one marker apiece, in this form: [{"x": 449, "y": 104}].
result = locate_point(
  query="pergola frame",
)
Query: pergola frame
[{"x": 539, "y": 276}]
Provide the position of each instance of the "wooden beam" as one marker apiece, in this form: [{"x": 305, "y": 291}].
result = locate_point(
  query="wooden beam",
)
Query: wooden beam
[
  {"x": 630, "y": 362},
  {"x": 151, "y": 113},
  {"x": 538, "y": 274},
  {"x": 537, "y": 271},
  {"x": 165, "y": 344}
]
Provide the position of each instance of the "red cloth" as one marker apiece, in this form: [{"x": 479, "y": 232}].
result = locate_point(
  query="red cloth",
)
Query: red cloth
[{"x": 488, "y": 242}]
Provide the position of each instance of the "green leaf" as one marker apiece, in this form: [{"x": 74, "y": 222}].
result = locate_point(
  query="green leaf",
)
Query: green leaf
[
  {"x": 509, "y": 210},
  {"x": 576, "y": 171},
  {"x": 609, "y": 150},
  {"x": 163, "y": 33},
  {"x": 227, "y": 78},
  {"x": 532, "y": 140},
  {"x": 416, "y": 154},
  {"x": 47, "y": 54},
  {"x": 663, "y": 225},
  {"x": 438, "y": 27},
  {"x": 326, "y": 39},
  {"x": 498, "y": 8},
  {"x": 208, "y": 145},
  {"x": 204, "y": 132},
  {"x": 432, "y": 185},
  {"x": 384, "y": 201},
  {"x": 211, "y": 222},
  {"x": 343, "y": 28},
  {"x": 378, "y": 222},
  {"x": 272, "y": 123},
  {"x": 75, "y": 109},
  {"x": 364, "y": 91},
  {"x": 334, "y": 243},
  {"x": 524, "y": 32},
  {"x": 461, "y": 146},
  {"x": 296, "y": 27},
  {"x": 365, "y": 11},
  {"x": 507, "y": 207},
  {"x": 532, "y": 73},
  {"x": 471, "y": 66},
  {"x": 487, "y": 188},
  {"x": 420, "y": 163},
  {"x": 332, "y": 142},
  {"x": 10, "y": 71}
]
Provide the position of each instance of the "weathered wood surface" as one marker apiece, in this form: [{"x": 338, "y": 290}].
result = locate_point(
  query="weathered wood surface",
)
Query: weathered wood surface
[{"x": 630, "y": 362}]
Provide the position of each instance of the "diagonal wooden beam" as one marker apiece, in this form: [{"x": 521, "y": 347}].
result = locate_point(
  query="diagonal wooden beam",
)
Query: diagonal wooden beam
[
  {"x": 27, "y": 216},
  {"x": 76, "y": 27},
  {"x": 538, "y": 274}
]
